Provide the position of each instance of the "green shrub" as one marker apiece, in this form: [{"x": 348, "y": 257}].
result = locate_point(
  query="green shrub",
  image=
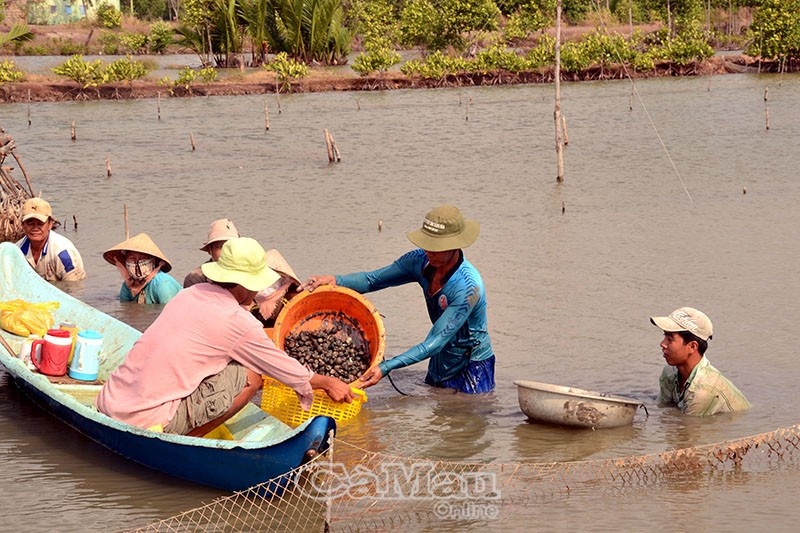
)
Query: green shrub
[
  {"x": 87, "y": 74},
  {"x": 108, "y": 16},
  {"x": 287, "y": 69},
  {"x": 436, "y": 66},
  {"x": 186, "y": 77},
  {"x": 109, "y": 42},
  {"x": 379, "y": 57},
  {"x": 498, "y": 57},
  {"x": 208, "y": 74},
  {"x": 9, "y": 72},
  {"x": 65, "y": 47},
  {"x": 35, "y": 50},
  {"x": 161, "y": 36},
  {"x": 125, "y": 69},
  {"x": 133, "y": 43}
]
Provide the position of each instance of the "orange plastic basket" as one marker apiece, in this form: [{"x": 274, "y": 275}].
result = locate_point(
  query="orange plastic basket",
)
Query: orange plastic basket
[
  {"x": 281, "y": 402},
  {"x": 312, "y": 311}
]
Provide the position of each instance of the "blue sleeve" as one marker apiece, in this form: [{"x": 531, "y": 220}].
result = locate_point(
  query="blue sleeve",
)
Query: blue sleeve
[
  {"x": 442, "y": 333},
  {"x": 402, "y": 271},
  {"x": 164, "y": 288}
]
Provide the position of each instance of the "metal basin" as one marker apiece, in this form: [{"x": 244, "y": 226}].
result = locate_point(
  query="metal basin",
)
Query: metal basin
[{"x": 569, "y": 406}]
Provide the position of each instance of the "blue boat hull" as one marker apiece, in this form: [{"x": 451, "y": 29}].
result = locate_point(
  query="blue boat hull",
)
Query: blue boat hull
[{"x": 261, "y": 448}]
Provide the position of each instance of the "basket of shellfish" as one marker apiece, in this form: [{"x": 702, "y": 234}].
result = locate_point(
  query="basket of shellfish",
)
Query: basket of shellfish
[{"x": 334, "y": 331}]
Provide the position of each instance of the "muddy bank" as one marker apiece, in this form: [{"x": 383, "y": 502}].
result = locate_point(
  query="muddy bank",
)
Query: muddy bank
[{"x": 57, "y": 91}]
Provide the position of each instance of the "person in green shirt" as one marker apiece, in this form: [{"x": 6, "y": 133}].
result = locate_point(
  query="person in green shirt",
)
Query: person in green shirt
[{"x": 690, "y": 381}]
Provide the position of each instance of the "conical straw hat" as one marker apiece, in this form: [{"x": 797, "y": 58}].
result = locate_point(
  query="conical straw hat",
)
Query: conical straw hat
[{"x": 140, "y": 243}]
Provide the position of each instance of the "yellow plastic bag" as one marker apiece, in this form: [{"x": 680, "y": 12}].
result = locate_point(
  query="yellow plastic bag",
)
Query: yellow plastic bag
[{"x": 25, "y": 318}]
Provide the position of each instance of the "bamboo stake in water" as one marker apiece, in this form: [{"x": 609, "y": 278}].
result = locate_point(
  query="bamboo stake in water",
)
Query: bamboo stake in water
[
  {"x": 278, "y": 96},
  {"x": 73, "y": 135},
  {"x": 158, "y": 94},
  {"x": 328, "y": 145},
  {"x": 766, "y": 93},
  {"x": 29, "y": 107},
  {"x": 564, "y": 129},
  {"x": 125, "y": 216},
  {"x": 766, "y": 113},
  {"x": 108, "y": 166},
  {"x": 266, "y": 115},
  {"x": 557, "y": 111},
  {"x": 74, "y": 222},
  {"x": 191, "y": 138}
]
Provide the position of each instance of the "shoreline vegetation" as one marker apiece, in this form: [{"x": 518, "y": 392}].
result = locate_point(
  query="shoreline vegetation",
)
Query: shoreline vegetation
[
  {"x": 248, "y": 48},
  {"x": 39, "y": 89}
]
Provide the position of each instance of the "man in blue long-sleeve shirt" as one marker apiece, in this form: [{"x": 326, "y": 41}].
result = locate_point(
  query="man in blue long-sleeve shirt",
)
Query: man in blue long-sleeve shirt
[{"x": 458, "y": 346}]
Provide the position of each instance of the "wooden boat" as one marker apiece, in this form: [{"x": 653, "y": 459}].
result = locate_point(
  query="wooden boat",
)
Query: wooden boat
[
  {"x": 255, "y": 447},
  {"x": 570, "y": 406}
]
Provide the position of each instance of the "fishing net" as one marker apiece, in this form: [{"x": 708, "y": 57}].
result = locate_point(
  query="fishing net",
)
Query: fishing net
[{"x": 352, "y": 489}]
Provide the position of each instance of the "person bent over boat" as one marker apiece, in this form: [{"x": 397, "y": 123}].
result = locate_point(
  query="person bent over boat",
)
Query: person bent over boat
[
  {"x": 268, "y": 302},
  {"x": 202, "y": 359},
  {"x": 458, "y": 344},
  {"x": 689, "y": 381},
  {"x": 51, "y": 255},
  {"x": 143, "y": 267}
]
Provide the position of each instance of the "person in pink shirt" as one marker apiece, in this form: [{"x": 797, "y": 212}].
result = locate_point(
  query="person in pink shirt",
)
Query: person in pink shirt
[{"x": 202, "y": 359}]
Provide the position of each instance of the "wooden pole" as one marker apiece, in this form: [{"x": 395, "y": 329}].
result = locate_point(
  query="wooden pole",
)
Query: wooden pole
[
  {"x": 557, "y": 111},
  {"x": 74, "y": 222},
  {"x": 266, "y": 115},
  {"x": 336, "y": 155},
  {"x": 108, "y": 166},
  {"x": 159, "y": 104},
  {"x": 125, "y": 215},
  {"x": 73, "y": 136},
  {"x": 29, "y": 107},
  {"x": 278, "y": 96},
  {"x": 564, "y": 129},
  {"x": 766, "y": 113},
  {"x": 766, "y": 93},
  {"x": 328, "y": 145},
  {"x": 191, "y": 138}
]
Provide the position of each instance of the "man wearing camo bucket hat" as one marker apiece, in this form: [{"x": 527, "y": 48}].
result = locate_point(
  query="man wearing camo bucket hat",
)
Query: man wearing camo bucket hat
[
  {"x": 458, "y": 346},
  {"x": 689, "y": 381}
]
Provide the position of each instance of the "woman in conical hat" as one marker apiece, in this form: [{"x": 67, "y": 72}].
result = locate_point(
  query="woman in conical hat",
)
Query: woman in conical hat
[
  {"x": 143, "y": 267},
  {"x": 458, "y": 348}
]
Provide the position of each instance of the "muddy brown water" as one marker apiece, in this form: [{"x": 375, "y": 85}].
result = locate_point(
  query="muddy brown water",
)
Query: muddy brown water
[{"x": 569, "y": 293}]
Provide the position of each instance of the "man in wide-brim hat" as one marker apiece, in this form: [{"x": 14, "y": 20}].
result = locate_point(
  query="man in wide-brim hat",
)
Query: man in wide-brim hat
[
  {"x": 458, "y": 346},
  {"x": 143, "y": 267},
  {"x": 203, "y": 358},
  {"x": 219, "y": 232}
]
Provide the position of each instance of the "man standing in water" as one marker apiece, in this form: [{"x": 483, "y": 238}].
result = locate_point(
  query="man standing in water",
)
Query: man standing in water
[
  {"x": 51, "y": 255},
  {"x": 458, "y": 348},
  {"x": 689, "y": 381}
]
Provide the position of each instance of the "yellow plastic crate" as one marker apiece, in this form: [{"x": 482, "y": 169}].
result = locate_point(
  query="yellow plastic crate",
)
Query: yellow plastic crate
[{"x": 281, "y": 402}]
